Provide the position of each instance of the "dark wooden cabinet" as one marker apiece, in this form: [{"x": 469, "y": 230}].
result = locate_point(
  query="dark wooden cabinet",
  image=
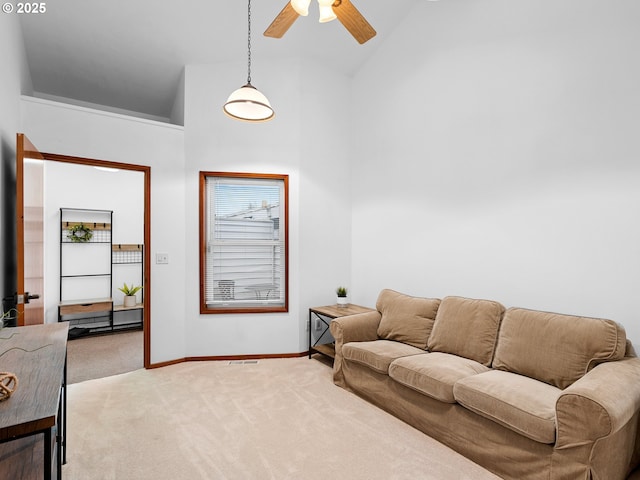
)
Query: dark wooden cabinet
[{"x": 33, "y": 419}]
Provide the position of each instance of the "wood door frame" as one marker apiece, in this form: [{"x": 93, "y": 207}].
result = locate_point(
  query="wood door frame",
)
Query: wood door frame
[
  {"x": 24, "y": 150},
  {"x": 146, "y": 312}
]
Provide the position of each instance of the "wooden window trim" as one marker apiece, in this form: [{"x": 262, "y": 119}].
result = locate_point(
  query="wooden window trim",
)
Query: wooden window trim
[{"x": 204, "y": 308}]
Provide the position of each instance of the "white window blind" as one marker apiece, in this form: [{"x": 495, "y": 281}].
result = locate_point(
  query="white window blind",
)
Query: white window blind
[{"x": 245, "y": 242}]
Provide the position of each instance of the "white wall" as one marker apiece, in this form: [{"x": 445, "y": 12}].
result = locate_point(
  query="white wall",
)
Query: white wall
[
  {"x": 77, "y": 131},
  {"x": 15, "y": 79},
  {"x": 499, "y": 157},
  {"x": 307, "y": 140},
  {"x": 79, "y": 186},
  {"x": 325, "y": 190}
]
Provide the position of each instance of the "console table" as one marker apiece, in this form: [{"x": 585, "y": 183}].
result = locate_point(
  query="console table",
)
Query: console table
[
  {"x": 325, "y": 315},
  {"x": 38, "y": 405}
]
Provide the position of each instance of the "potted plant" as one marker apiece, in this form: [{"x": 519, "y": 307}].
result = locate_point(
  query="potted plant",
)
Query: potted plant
[
  {"x": 130, "y": 294},
  {"x": 8, "y": 316},
  {"x": 341, "y": 292}
]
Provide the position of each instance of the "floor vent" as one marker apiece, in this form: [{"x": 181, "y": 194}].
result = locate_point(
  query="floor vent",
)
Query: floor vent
[{"x": 243, "y": 362}]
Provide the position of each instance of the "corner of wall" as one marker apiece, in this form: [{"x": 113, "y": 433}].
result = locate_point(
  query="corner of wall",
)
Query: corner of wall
[
  {"x": 177, "y": 112},
  {"x": 16, "y": 78},
  {"x": 26, "y": 82}
]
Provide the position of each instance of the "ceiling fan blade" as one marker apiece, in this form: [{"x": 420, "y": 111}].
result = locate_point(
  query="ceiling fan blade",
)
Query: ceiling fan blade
[
  {"x": 282, "y": 22},
  {"x": 353, "y": 21}
]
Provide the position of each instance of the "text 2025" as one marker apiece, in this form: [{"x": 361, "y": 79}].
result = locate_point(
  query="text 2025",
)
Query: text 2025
[{"x": 31, "y": 7}]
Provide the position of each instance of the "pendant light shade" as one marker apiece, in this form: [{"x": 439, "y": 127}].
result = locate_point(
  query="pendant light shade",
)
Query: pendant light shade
[
  {"x": 248, "y": 103},
  {"x": 301, "y": 7},
  {"x": 326, "y": 11}
]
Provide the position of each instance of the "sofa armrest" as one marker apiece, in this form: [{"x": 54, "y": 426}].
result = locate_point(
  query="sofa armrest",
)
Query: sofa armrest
[
  {"x": 362, "y": 327},
  {"x": 599, "y": 403}
]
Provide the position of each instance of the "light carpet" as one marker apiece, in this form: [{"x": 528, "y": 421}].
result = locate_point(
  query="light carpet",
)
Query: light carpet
[{"x": 278, "y": 419}]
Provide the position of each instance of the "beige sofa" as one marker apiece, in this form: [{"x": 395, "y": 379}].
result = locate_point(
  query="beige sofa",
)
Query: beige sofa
[{"x": 526, "y": 394}]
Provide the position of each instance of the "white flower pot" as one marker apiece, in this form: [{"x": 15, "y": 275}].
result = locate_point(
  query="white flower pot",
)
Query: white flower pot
[
  {"x": 129, "y": 300},
  {"x": 343, "y": 302}
]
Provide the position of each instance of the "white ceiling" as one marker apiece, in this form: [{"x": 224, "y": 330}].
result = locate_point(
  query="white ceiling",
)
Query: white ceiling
[{"x": 130, "y": 54}]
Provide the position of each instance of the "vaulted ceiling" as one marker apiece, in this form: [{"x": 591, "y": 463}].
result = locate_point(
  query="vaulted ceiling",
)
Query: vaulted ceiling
[{"x": 130, "y": 54}]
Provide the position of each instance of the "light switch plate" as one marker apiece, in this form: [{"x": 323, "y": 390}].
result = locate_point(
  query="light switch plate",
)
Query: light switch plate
[{"x": 162, "y": 258}]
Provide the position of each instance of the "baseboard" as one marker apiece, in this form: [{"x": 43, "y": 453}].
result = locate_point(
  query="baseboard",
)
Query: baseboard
[{"x": 258, "y": 356}]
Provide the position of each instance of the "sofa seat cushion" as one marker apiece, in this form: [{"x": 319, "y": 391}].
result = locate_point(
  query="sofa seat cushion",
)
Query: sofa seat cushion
[
  {"x": 555, "y": 348},
  {"x": 406, "y": 319},
  {"x": 524, "y": 405},
  {"x": 377, "y": 354},
  {"x": 466, "y": 327},
  {"x": 434, "y": 374}
]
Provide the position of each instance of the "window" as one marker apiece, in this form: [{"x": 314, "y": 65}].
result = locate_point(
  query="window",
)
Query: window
[{"x": 243, "y": 242}]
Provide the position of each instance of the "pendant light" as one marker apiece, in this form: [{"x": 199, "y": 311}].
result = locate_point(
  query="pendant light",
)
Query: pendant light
[
  {"x": 248, "y": 103},
  {"x": 326, "y": 11},
  {"x": 301, "y": 6}
]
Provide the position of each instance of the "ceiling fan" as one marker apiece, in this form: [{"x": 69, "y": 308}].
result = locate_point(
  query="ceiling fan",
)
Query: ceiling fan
[{"x": 343, "y": 10}]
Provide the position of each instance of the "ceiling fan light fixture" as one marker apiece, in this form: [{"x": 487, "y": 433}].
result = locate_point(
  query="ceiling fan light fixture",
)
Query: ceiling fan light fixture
[
  {"x": 326, "y": 11},
  {"x": 343, "y": 10},
  {"x": 248, "y": 104},
  {"x": 301, "y": 7}
]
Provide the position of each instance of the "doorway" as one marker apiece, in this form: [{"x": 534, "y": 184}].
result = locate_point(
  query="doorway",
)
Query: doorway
[{"x": 126, "y": 185}]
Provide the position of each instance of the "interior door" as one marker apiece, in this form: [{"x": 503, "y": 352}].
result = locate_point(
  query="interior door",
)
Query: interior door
[{"x": 30, "y": 232}]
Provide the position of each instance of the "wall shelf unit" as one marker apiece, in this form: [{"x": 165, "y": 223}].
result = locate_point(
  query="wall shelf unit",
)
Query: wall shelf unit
[
  {"x": 89, "y": 265},
  {"x": 128, "y": 256}
]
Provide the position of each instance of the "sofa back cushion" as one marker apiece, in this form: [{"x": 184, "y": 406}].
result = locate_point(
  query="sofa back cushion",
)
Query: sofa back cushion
[
  {"x": 467, "y": 327},
  {"x": 554, "y": 348},
  {"x": 406, "y": 319}
]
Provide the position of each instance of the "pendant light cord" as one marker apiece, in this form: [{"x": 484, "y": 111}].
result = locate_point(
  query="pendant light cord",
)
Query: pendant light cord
[
  {"x": 247, "y": 103},
  {"x": 249, "y": 44}
]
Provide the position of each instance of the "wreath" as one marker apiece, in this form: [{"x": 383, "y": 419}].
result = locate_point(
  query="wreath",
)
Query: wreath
[{"x": 80, "y": 233}]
